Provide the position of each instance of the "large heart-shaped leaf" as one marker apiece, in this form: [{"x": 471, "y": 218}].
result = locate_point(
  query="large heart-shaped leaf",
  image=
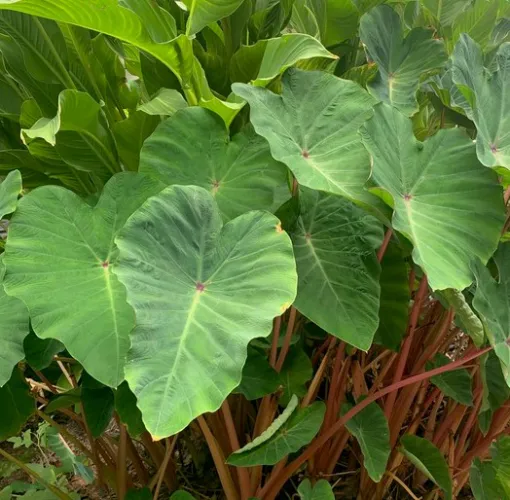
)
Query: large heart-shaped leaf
[
  {"x": 445, "y": 201},
  {"x": 429, "y": 460},
  {"x": 401, "y": 61},
  {"x": 492, "y": 301},
  {"x": 193, "y": 284},
  {"x": 267, "y": 59},
  {"x": 371, "y": 430},
  {"x": 486, "y": 94},
  {"x": 334, "y": 245},
  {"x": 292, "y": 430},
  {"x": 59, "y": 258},
  {"x": 13, "y": 330},
  {"x": 313, "y": 128},
  {"x": 10, "y": 189},
  {"x": 17, "y": 405},
  {"x": 193, "y": 147}
]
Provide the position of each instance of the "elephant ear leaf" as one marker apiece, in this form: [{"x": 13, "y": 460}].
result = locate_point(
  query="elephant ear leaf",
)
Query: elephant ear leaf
[
  {"x": 447, "y": 204},
  {"x": 402, "y": 61},
  {"x": 80, "y": 302},
  {"x": 487, "y": 98},
  {"x": 321, "y": 490},
  {"x": 192, "y": 281},
  {"x": 492, "y": 301}
]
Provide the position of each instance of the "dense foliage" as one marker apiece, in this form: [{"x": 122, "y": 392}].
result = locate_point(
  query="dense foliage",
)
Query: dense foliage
[{"x": 255, "y": 248}]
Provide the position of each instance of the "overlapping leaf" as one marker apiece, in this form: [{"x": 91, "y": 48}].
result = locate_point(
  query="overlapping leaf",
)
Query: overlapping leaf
[
  {"x": 401, "y": 61},
  {"x": 321, "y": 490},
  {"x": 192, "y": 283},
  {"x": 492, "y": 301},
  {"x": 486, "y": 94},
  {"x": 313, "y": 129},
  {"x": 59, "y": 258},
  {"x": 445, "y": 201},
  {"x": 193, "y": 147},
  {"x": 10, "y": 189},
  {"x": 334, "y": 245},
  {"x": 292, "y": 430}
]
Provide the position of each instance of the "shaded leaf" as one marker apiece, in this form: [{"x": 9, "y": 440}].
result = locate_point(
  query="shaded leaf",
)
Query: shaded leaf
[
  {"x": 292, "y": 430},
  {"x": 321, "y": 490},
  {"x": 455, "y": 384},
  {"x": 193, "y": 148},
  {"x": 129, "y": 414},
  {"x": 395, "y": 297},
  {"x": 402, "y": 62},
  {"x": 204, "y": 12},
  {"x": 429, "y": 460},
  {"x": 181, "y": 268},
  {"x": 258, "y": 378},
  {"x": 445, "y": 201},
  {"x": 39, "y": 353},
  {"x": 483, "y": 481},
  {"x": 64, "y": 400},
  {"x": 17, "y": 405},
  {"x": 334, "y": 246},
  {"x": 370, "y": 428},
  {"x": 98, "y": 406},
  {"x": 295, "y": 373},
  {"x": 79, "y": 302}
]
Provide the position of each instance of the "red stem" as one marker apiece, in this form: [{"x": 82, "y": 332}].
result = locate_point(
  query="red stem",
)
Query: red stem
[
  {"x": 384, "y": 245},
  {"x": 272, "y": 488}
]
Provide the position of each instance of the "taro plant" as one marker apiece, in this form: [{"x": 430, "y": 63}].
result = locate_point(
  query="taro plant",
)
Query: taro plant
[{"x": 256, "y": 249}]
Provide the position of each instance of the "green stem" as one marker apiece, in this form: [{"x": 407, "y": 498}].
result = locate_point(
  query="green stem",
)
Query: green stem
[{"x": 56, "y": 491}]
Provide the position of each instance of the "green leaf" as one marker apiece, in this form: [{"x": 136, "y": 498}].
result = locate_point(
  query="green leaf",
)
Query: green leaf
[
  {"x": 446, "y": 203},
  {"x": 495, "y": 389},
  {"x": 159, "y": 23},
  {"x": 70, "y": 462},
  {"x": 470, "y": 322},
  {"x": 130, "y": 134},
  {"x": 140, "y": 494},
  {"x": 192, "y": 282},
  {"x": 80, "y": 134},
  {"x": 395, "y": 297},
  {"x": 14, "y": 327},
  {"x": 370, "y": 428},
  {"x": 429, "y": 460},
  {"x": 267, "y": 59},
  {"x": 204, "y": 12},
  {"x": 341, "y": 19},
  {"x": 492, "y": 301},
  {"x": 39, "y": 353},
  {"x": 445, "y": 12},
  {"x": 296, "y": 372},
  {"x": 10, "y": 189},
  {"x": 489, "y": 104},
  {"x": 292, "y": 430},
  {"x": 483, "y": 481},
  {"x": 402, "y": 62},
  {"x": 334, "y": 245},
  {"x": 181, "y": 495},
  {"x": 313, "y": 129},
  {"x": 500, "y": 452},
  {"x": 98, "y": 406},
  {"x": 80, "y": 302},
  {"x": 321, "y": 490},
  {"x": 17, "y": 405},
  {"x": 455, "y": 384},
  {"x": 193, "y": 148},
  {"x": 129, "y": 414},
  {"x": 258, "y": 378},
  {"x": 165, "y": 103},
  {"x": 64, "y": 400}
]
